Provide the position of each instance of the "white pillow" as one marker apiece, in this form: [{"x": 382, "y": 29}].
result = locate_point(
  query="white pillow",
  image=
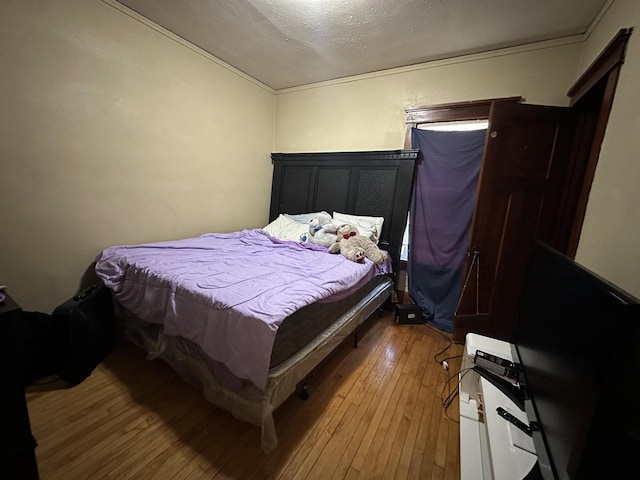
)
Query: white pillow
[
  {"x": 368, "y": 226},
  {"x": 286, "y": 229},
  {"x": 302, "y": 217}
]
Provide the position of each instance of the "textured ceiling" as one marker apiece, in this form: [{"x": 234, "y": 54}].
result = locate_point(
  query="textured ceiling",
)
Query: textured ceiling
[{"x": 286, "y": 43}]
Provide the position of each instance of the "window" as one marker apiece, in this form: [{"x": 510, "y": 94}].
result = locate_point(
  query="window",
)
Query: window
[{"x": 444, "y": 127}]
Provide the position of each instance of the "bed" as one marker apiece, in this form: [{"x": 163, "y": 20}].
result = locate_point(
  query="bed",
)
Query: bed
[{"x": 247, "y": 315}]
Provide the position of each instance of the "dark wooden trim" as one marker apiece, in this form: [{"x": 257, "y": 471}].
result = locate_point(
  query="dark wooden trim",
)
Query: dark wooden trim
[
  {"x": 612, "y": 56},
  {"x": 460, "y": 111},
  {"x": 450, "y": 112},
  {"x": 602, "y": 75},
  {"x": 407, "y": 134},
  {"x": 583, "y": 128},
  {"x": 592, "y": 162}
]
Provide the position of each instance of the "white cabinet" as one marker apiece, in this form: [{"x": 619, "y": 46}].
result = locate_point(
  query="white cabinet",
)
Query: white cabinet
[{"x": 487, "y": 441}]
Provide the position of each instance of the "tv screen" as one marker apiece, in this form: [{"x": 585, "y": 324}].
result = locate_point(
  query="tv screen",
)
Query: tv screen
[{"x": 575, "y": 339}]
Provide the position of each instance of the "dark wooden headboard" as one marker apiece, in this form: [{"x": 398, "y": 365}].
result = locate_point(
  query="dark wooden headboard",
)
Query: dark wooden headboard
[{"x": 359, "y": 183}]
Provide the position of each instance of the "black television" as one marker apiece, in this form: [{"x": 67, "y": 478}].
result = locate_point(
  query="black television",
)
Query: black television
[{"x": 577, "y": 339}]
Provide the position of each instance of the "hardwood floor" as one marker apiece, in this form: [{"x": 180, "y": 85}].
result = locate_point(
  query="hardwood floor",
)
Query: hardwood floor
[{"x": 373, "y": 412}]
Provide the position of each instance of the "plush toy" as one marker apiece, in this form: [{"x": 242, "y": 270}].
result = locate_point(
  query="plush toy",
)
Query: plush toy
[
  {"x": 356, "y": 247},
  {"x": 322, "y": 230}
]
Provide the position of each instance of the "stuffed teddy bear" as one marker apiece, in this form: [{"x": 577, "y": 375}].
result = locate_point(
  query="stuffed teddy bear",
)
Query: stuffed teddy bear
[
  {"x": 356, "y": 247},
  {"x": 322, "y": 230}
]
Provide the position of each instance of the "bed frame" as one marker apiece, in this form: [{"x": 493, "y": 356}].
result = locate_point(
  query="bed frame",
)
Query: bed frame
[{"x": 358, "y": 183}]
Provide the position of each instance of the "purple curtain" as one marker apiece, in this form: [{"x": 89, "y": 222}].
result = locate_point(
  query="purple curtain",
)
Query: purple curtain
[{"x": 442, "y": 206}]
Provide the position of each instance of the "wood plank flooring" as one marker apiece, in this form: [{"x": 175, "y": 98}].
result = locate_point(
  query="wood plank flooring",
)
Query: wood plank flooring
[{"x": 373, "y": 412}]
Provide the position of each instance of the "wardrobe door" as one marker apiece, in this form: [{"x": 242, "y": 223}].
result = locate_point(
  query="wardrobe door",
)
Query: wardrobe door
[{"x": 520, "y": 181}]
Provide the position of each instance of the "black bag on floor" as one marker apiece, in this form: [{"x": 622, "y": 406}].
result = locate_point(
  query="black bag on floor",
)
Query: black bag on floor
[{"x": 85, "y": 331}]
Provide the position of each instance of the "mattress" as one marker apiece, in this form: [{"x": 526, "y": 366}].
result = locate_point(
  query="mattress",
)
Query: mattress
[{"x": 300, "y": 328}]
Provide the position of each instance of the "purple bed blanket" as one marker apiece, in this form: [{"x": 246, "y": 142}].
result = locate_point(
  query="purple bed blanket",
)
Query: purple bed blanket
[{"x": 228, "y": 293}]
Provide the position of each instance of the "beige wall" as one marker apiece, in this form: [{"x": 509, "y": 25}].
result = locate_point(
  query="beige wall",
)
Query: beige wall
[
  {"x": 111, "y": 132},
  {"x": 610, "y": 240},
  {"x": 367, "y": 112}
]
